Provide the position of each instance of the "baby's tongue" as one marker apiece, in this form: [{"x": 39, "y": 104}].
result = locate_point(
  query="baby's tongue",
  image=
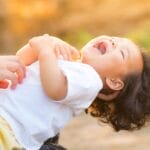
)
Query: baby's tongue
[{"x": 101, "y": 46}]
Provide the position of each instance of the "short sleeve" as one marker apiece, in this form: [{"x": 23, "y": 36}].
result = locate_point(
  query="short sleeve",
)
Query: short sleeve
[{"x": 83, "y": 84}]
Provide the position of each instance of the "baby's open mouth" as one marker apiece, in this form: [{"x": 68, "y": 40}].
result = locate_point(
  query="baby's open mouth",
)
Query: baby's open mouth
[{"x": 101, "y": 47}]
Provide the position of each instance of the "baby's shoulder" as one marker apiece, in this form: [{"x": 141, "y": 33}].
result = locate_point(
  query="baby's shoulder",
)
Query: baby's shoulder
[{"x": 78, "y": 71}]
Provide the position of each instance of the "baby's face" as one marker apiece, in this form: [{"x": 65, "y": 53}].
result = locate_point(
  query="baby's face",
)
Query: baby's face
[{"x": 112, "y": 56}]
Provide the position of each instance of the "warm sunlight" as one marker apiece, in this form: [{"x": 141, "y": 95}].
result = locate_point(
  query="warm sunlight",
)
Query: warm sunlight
[{"x": 77, "y": 22}]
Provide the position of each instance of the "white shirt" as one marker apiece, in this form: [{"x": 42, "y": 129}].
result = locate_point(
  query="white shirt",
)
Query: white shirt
[{"x": 33, "y": 116}]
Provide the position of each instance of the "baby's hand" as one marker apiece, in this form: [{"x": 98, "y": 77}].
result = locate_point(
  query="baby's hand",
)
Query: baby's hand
[
  {"x": 61, "y": 49},
  {"x": 39, "y": 43}
]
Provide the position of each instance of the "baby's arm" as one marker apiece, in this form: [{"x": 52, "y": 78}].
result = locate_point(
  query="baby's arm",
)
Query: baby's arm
[
  {"x": 53, "y": 80},
  {"x": 47, "y": 49},
  {"x": 27, "y": 55}
]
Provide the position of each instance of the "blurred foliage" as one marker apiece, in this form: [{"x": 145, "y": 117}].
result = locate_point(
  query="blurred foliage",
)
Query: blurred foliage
[
  {"x": 78, "y": 38},
  {"x": 75, "y": 21},
  {"x": 141, "y": 37}
]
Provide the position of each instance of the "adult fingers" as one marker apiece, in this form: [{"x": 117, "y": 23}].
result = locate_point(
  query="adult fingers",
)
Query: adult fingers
[
  {"x": 4, "y": 84},
  {"x": 16, "y": 66},
  {"x": 12, "y": 77},
  {"x": 18, "y": 69},
  {"x": 21, "y": 71}
]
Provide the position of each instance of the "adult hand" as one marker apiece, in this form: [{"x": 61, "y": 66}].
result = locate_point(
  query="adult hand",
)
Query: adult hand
[{"x": 11, "y": 69}]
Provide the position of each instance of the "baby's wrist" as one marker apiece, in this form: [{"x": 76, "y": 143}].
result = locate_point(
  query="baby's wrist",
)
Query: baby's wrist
[{"x": 44, "y": 54}]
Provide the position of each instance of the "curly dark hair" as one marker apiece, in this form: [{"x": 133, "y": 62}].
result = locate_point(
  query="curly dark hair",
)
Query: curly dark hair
[{"x": 131, "y": 108}]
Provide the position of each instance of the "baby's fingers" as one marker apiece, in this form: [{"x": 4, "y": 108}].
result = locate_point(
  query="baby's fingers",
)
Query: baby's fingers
[
  {"x": 74, "y": 53},
  {"x": 65, "y": 53}
]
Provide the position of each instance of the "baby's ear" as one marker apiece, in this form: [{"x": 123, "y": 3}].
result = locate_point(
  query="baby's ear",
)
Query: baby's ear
[
  {"x": 115, "y": 84},
  {"x": 108, "y": 97}
]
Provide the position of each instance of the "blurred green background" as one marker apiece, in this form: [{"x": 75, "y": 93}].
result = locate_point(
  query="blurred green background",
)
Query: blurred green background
[
  {"x": 75, "y": 21},
  {"x": 78, "y": 21}
]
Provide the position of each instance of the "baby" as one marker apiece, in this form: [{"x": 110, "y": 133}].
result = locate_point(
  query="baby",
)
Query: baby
[{"x": 56, "y": 90}]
